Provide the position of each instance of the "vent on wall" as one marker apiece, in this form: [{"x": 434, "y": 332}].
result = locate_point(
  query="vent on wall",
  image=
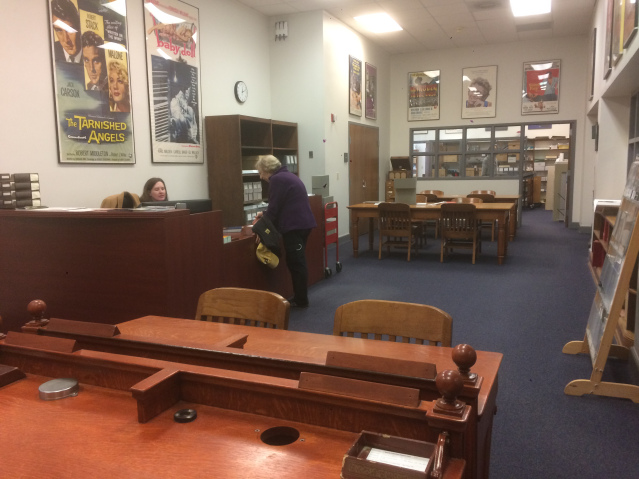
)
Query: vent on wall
[{"x": 528, "y": 27}]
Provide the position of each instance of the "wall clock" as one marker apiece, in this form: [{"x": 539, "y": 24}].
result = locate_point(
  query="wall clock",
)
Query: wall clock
[{"x": 241, "y": 91}]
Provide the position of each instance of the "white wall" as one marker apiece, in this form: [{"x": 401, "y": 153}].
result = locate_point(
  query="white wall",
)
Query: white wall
[
  {"x": 28, "y": 132},
  {"x": 509, "y": 58}
]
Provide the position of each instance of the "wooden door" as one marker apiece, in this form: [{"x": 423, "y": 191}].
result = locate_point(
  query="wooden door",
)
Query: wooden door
[{"x": 363, "y": 166}]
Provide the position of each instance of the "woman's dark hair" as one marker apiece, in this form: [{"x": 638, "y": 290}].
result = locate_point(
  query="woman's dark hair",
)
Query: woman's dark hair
[{"x": 148, "y": 186}]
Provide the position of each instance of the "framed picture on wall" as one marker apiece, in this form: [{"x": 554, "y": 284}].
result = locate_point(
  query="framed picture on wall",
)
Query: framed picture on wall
[
  {"x": 630, "y": 21},
  {"x": 608, "y": 45},
  {"x": 173, "y": 72},
  {"x": 370, "y": 91},
  {"x": 354, "y": 86},
  {"x": 89, "y": 47},
  {"x": 541, "y": 87},
  {"x": 617, "y": 31},
  {"x": 593, "y": 56},
  {"x": 423, "y": 95},
  {"x": 479, "y": 92}
]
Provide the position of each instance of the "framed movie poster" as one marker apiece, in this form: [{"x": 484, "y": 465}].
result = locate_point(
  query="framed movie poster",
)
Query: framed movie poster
[
  {"x": 591, "y": 67},
  {"x": 423, "y": 95},
  {"x": 617, "y": 31},
  {"x": 173, "y": 66},
  {"x": 607, "y": 67},
  {"x": 354, "y": 86},
  {"x": 370, "y": 89},
  {"x": 89, "y": 47},
  {"x": 541, "y": 87},
  {"x": 630, "y": 21},
  {"x": 479, "y": 92}
]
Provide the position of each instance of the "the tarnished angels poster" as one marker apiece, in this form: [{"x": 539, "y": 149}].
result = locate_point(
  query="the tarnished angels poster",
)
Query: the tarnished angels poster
[
  {"x": 91, "y": 81},
  {"x": 423, "y": 95},
  {"x": 173, "y": 64}
]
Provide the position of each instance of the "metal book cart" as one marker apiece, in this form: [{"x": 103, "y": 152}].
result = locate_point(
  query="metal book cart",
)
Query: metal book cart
[{"x": 331, "y": 236}]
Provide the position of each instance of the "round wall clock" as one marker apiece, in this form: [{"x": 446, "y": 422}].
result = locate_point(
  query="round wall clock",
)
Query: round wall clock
[{"x": 241, "y": 91}]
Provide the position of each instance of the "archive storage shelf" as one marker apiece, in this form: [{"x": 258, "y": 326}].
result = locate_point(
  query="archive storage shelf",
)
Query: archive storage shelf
[{"x": 234, "y": 143}]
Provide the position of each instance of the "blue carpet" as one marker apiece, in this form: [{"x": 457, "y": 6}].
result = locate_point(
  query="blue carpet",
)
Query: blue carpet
[{"x": 527, "y": 309}]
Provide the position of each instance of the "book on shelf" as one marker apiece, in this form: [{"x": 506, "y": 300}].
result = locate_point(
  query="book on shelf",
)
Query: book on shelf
[
  {"x": 29, "y": 186},
  {"x": 5, "y": 177},
  {"x": 29, "y": 202}
]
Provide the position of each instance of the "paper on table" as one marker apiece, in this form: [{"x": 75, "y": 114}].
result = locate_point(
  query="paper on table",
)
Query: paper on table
[{"x": 415, "y": 463}]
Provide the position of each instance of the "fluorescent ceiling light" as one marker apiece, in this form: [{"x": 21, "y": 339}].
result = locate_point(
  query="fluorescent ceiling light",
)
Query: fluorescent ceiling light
[
  {"x": 60, "y": 24},
  {"x": 118, "y": 6},
  {"x": 525, "y": 8},
  {"x": 161, "y": 16},
  {"x": 379, "y": 23}
]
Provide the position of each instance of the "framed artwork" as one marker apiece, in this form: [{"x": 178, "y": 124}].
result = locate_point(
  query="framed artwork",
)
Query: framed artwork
[
  {"x": 541, "y": 87},
  {"x": 593, "y": 55},
  {"x": 423, "y": 95},
  {"x": 617, "y": 31},
  {"x": 354, "y": 86},
  {"x": 608, "y": 45},
  {"x": 89, "y": 47},
  {"x": 630, "y": 21},
  {"x": 173, "y": 70},
  {"x": 371, "y": 91},
  {"x": 479, "y": 92}
]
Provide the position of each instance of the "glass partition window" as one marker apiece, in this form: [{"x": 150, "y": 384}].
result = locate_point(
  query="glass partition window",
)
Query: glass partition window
[{"x": 468, "y": 152}]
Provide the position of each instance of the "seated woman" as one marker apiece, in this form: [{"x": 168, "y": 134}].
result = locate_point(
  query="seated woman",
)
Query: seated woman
[{"x": 154, "y": 190}]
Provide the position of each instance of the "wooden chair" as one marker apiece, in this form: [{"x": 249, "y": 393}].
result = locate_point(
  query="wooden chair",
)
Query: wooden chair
[
  {"x": 248, "y": 307},
  {"x": 483, "y": 192},
  {"x": 486, "y": 198},
  {"x": 463, "y": 199},
  {"x": 428, "y": 198},
  {"x": 437, "y": 193},
  {"x": 122, "y": 200},
  {"x": 396, "y": 225},
  {"x": 425, "y": 324},
  {"x": 459, "y": 228}
]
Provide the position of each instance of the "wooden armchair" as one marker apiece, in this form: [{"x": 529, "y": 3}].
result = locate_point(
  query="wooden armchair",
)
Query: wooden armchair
[
  {"x": 463, "y": 199},
  {"x": 428, "y": 198},
  {"x": 459, "y": 228},
  {"x": 483, "y": 192},
  {"x": 425, "y": 324},
  {"x": 248, "y": 307},
  {"x": 486, "y": 198},
  {"x": 396, "y": 225},
  {"x": 437, "y": 193}
]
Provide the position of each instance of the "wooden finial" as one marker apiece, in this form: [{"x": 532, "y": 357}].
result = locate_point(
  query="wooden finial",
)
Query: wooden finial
[
  {"x": 450, "y": 385},
  {"x": 36, "y": 309},
  {"x": 465, "y": 358}
]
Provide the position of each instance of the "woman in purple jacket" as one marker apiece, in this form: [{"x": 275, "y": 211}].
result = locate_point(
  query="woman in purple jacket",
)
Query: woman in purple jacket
[{"x": 290, "y": 212}]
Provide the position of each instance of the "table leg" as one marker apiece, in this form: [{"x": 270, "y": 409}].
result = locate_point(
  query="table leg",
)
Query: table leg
[
  {"x": 355, "y": 229},
  {"x": 513, "y": 222},
  {"x": 371, "y": 233},
  {"x": 502, "y": 240}
]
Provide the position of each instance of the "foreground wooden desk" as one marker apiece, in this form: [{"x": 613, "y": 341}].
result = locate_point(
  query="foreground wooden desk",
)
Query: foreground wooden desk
[
  {"x": 485, "y": 211},
  {"x": 98, "y": 431},
  {"x": 286, "y": 354}
]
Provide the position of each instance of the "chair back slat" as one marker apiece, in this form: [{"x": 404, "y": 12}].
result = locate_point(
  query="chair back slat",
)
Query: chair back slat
[
  {"x": 246, "y": 307},
  {"x": 408, "y": 321}
]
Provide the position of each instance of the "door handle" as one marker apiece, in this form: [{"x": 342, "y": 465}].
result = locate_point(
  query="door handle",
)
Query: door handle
[{"x": 363, "y": 183}]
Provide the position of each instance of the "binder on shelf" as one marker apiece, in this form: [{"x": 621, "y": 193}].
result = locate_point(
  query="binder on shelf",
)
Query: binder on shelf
[
  {"x": 5, "y": 177},
  {"x": 30, "y": 202},
  {"x": 25, "y": 177},
  {"x": 32, "y": 186}
]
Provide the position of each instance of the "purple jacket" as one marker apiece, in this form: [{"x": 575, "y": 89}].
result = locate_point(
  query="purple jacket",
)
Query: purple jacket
[{"x": 288, "y": 205}]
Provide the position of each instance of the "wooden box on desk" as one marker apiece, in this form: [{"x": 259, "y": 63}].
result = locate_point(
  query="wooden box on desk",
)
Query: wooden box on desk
[{"x": 357, "y": 466}]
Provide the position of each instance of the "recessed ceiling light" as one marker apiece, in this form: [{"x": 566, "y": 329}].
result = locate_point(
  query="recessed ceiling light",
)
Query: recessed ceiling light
[
  {"x": 379, "y": 23},
  {"x": 525, "y": 8}
]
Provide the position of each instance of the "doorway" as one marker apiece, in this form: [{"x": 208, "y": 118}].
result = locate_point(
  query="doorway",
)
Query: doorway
[{"x": 363, "y": 167}]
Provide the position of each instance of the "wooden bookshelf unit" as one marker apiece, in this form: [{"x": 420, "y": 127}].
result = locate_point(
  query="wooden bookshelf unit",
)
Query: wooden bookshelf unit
[{"x": 233, "y": 144}]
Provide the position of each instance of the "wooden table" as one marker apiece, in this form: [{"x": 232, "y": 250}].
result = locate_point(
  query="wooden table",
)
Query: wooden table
[
  {"x": 501, "y": 212},
  {"x": 99, "y": 431},
  {"x": 514, "y": 215}
]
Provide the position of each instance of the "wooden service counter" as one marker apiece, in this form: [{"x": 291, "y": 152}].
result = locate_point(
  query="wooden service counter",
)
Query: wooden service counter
[
  {"x": 293, "y": 356},
  {"x": 112, "y": 265}
]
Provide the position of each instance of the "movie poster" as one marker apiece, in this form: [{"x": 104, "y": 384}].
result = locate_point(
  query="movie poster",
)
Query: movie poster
[
  {"x": 479, "y": 92},
  {"x": 354, "y": 86},
  {"x": 541, "y": 87},
  {"x": 173, "y": 64},
  {"x": 371, "y": 91},
  {"x": 423, "y": 95},
  {"x": 91, "y": 81}
]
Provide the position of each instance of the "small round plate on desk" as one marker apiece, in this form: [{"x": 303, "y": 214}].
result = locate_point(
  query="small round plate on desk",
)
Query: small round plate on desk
[{"x": 58, "y": 389}]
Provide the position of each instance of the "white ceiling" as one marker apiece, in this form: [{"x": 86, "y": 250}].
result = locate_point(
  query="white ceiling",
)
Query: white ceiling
[{"x": 440, "y": 24}]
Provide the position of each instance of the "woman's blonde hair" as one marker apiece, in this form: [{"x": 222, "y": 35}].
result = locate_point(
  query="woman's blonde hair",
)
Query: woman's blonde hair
[{"x": 268, "y": 164}]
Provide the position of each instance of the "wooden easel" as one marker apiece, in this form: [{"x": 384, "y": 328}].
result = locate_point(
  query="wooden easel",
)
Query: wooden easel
[{"x": 602, "y": 321}]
